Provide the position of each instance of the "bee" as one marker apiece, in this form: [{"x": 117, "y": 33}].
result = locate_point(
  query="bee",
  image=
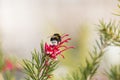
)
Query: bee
[
  {"x": 57, "y": 42},
  {"x": 55, "y": 39}
]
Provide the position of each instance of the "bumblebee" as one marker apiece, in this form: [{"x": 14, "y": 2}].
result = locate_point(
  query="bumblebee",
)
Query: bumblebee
[{"x": 55, "y": 39}]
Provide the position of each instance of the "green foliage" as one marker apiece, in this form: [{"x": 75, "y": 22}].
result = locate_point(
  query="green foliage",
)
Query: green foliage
[
  {"x": 9, "y": 75},
  {"x": 93, "y": 63},
  {"x": 117, "y": 13},
  {"x": 1, "y": 59},
  {"x": 87, "y": 72},
  {"x": 41, "y": 66},
  {"x": 110, "y": 32},
  {"x": 114, "y": 73}
]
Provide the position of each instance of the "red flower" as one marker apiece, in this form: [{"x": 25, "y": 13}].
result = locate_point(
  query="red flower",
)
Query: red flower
[
  {"x": 8, "y": 65},
  {"x": 54, "y": 50}
]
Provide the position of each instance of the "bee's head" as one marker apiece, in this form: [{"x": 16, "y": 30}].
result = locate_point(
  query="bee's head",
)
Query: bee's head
[{"x": 55, "y": 39}]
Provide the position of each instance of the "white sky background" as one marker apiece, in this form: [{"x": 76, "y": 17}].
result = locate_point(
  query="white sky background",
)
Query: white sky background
[{"x": 25, "y": 22}]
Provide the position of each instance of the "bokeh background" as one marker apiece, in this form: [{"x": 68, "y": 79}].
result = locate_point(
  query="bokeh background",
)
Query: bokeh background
[{"x": 24, "y": 23}]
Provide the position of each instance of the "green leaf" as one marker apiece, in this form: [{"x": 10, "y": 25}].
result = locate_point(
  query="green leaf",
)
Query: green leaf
[{"x": 36, "y": 68}]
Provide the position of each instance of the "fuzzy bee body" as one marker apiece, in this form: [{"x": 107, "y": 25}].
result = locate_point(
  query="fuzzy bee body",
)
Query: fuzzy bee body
[
  {"x": 57, "y": 45},
  {"x": 55, "y": 39}
]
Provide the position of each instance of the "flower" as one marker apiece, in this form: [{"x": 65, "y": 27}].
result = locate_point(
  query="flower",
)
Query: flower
[
  {"x": 54, "y": 50},
  {"x": 8, "y": 65}
]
